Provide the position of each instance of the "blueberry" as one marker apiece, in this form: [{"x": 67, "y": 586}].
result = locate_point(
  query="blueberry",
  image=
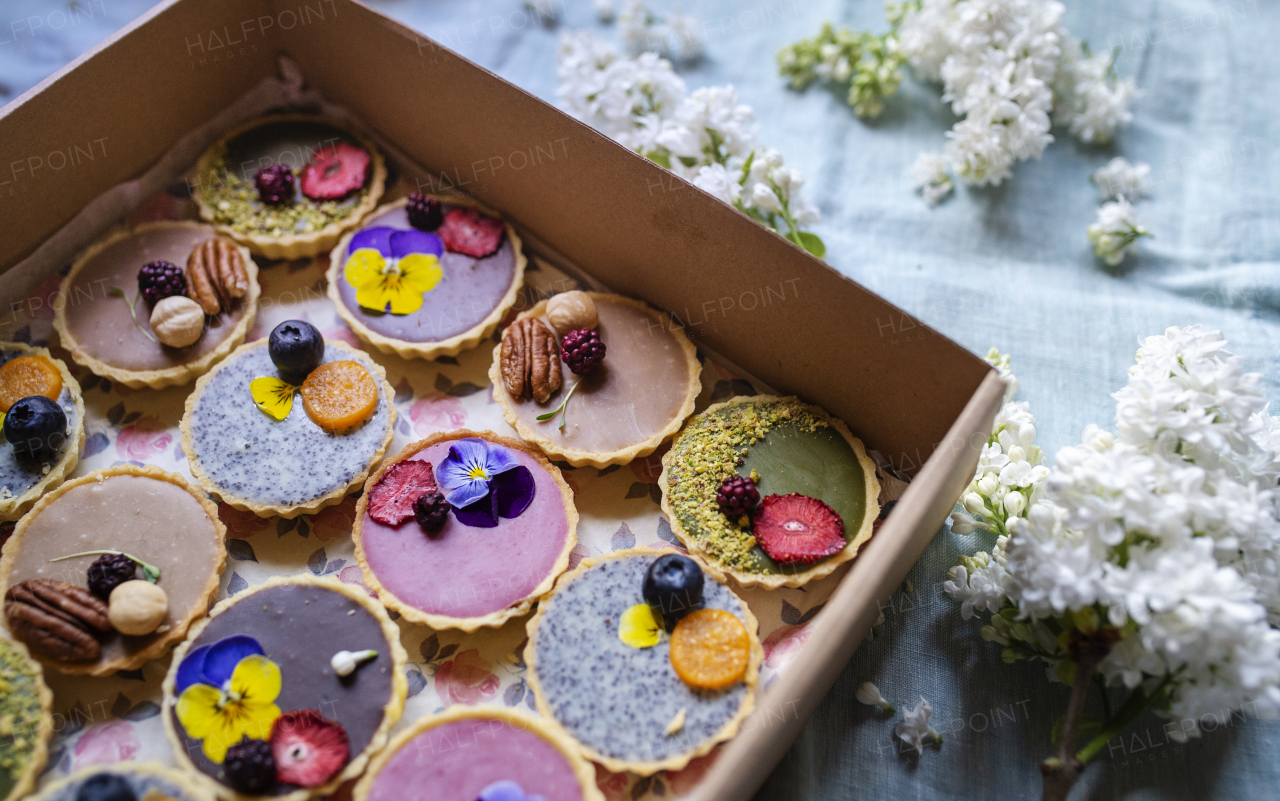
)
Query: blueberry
[
  {"x": 106, "y": 787},
  {"x": 673, "y": 587},
  {"x": 296, "y": 348},
  {"x": 35, "y": 426}
]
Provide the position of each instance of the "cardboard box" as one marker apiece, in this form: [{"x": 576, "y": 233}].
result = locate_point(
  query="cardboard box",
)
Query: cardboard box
[{"x": 583, "y": 202}]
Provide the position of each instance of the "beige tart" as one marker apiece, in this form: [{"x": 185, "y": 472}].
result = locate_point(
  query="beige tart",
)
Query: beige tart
[
  {"x": 286, "y": 690},
  {"x": 479, "y": 754},
  {"x": 289, "y": 185},
  {"x": 426, "y": 276},
  {"x": 42, "y": 448},
  {"x": 25, "y": 707},
  {"x": 464, "y": 529},
  {"x": 124, "y": 781},
  {"x": 770, "y": 491},
  {"x": 158, "y": 305},
  {"x": 288, "y": 425},
  {"x": 644, "y": 660},
  {"x": 595, "y": 379},
  {"x": 109, "y": 570}
]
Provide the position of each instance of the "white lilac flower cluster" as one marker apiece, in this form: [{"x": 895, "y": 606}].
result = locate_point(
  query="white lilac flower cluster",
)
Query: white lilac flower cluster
[
  {"x": 914, "y": 728},
  {"x": 1118, "y": 229},
  {"x": 707, "y": 137},
  {"x": 1008, "y": 67},
  {"x": 677, "y": 35},
  {"x": 1162, "y": 537}
]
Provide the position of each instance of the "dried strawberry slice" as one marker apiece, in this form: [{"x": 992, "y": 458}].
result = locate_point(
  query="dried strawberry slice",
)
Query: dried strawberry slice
[
  {"x": 391, "y": 500},
  {"x": 796, "y": 529},
  {"x": 335, "y": 172},
  {"x": 471, "y": 233},
  {"x": 309, "y": 750}
]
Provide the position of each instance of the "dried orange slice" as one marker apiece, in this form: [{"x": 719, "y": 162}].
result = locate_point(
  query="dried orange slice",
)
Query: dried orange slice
[
  {"x": 26, "y": 376},
  {"x": 340, "y": 395},
  {"x": 710, "y": 649}
]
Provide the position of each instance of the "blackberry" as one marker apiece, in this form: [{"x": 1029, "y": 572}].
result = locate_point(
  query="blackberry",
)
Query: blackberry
[
  {"x": 431, "y": 511},
  {"x": 110, "y": 571},
  {"x": 250, "y": 767},
  {"x": 582, "y": 350},
  {"x": 425, "y": 214},
  {"x": 161, "y": 279},
  {"x": 275, "y": 184},
  {"x": 737, "y": 497}
]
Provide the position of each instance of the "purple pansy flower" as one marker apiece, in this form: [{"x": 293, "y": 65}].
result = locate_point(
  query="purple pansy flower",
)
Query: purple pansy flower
[
  {"x": 507, "y": 790},
  {"x": 392, "y": 269},
  {"x": 483, "y": 482},
  {"x": 213, "y": 664}
]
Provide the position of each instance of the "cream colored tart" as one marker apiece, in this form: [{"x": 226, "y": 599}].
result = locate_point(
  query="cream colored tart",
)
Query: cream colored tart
[
  {"x": 283, "y": 467},
  {"x": 791, "y": 447},
  {"x": 300, "y": 623},
  {"x": 106, "y": 324},
  {"x": 464, "y": 305},
  {"x": 625, "y": 706},
  {"x": 463, "y": 576},
  {"x": 22, "y": 482},
  {"x": 149, "y": 781},
  {"x": 25, "y": 706},
  {"x": 142, "y": 511},
  {"x": 459, "y": 753},
  {"x": 227, "y": 196},
  {"x": 633, "y": 402}
]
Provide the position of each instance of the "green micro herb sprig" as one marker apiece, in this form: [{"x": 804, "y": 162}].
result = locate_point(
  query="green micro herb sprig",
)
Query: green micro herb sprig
[
  {"x": 149, "y": 571},
  {"x": 562, "y": 409},
  {"x": 117, "y": 292}
]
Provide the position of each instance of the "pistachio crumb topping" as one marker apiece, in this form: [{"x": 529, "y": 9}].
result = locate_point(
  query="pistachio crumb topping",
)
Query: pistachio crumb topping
[
  {"x": 19, "y": 714},
  {"x": 235, "y": 204},
  {"x": 706, "y": 453}
]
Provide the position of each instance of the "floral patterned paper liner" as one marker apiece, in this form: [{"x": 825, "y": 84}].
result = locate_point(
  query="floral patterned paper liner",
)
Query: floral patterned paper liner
[
  {"x": 294, "y": 246},
  {"x": 170, "y": 376},
  {"x": 356, "y": 765},
  {"x": 730, "y": 728},
  {"x": 14, "y": 508},
  {"x": 543, "y": 728},
  {"x": 267, "y": 510},
  {"x": 602, "y": 459},
  {"x": 819, "y": 570},
  {"x": 426, "y": 350},
  {"x": 179, "y": 628},
  {"x": 493, "y": 619},
  {"x": 173, "y": 777},
  {"x": 26, "y": 781}
]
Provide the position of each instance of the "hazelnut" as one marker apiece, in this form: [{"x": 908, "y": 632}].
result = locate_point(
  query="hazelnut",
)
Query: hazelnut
[
  {"x": 177, "y": 321},
  {"x": 570, "y": 311},
  {"x": 137, "y": 607}
]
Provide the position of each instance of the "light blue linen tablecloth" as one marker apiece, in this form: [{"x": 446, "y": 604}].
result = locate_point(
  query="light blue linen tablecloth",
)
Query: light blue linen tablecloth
[{"x": 1008, "y": 267}]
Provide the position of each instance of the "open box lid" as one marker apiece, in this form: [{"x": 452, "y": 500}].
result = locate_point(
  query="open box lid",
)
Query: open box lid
[{"x": 741, "y": 291}]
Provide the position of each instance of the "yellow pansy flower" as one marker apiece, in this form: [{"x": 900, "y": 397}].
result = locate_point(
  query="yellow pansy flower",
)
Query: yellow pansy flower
[
  {"x": 638, "y": 627},
  {"x": 242, "y": 708},
  {"x": 392, "y": 269},
  {"x": 273, "y": 396}
]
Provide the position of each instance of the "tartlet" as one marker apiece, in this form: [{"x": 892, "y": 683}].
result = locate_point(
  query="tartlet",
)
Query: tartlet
[
  {"x": 628, "y": 406},
  {"x": 794, "y": 449},
  {"x": 283, "y": 467},
  {"x": 105, "y": 323},
  {"x": 282, "y": 617},
  {"x": 226, "y": 195},
  {"x": 22, "y": 481},
  {"x": 149, "y": 781},
  {"x": 26, "y": 705},
  {"x": 142, "y": 511},
  {"x": 588, "y": 680},
  {"x": 467, "y": 298},
  {"x": 459, "y": 753},
  {"x": 463, "y": 576}
]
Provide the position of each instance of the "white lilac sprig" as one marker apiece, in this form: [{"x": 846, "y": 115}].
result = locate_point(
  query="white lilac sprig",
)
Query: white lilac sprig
[
  {"x": 1149, "y": 559},
  {"x": 1116, "y": 231},
  {"x": 676, "y": 35},
  {"x": 707, "y": 137},
  {"x": 1007, "y": 67}
]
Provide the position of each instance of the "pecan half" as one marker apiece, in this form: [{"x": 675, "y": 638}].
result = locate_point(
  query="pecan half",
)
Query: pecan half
[
  {"x": 530, "y": 359},
  {"x": 216, "y": 275},
  {"x": 57, "y": 619}
]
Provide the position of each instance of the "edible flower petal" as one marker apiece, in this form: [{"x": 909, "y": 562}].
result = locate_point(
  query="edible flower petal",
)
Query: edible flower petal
[
  {"x": 472, "y": 463},
  {"x": 638, "y": 628},
  {"x": 213, "y": 664},
  {"x": 392, "y": 269},
  {"x": 273, "y": 396},
  {"x": 243, "y": 707},
  {"x": 506, "y": 790}
]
